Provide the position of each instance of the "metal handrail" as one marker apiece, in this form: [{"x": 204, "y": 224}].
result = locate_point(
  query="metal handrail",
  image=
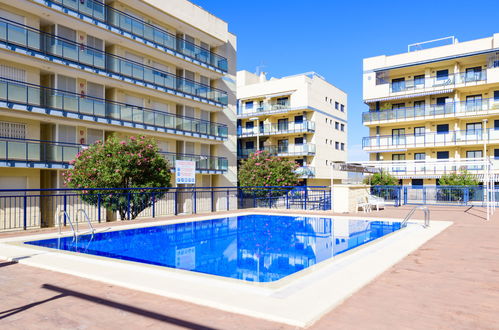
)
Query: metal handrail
[
  {"x": 92, "y": 229},
  {"x": 410, "y": 214},
  {"x": 63, "y": 212}
]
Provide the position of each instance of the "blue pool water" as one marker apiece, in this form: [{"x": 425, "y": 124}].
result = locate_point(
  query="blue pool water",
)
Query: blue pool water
[{"x": 260, "y": 248}]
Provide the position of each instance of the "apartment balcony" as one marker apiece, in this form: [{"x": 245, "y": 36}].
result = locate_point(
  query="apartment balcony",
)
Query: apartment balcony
[
  {"x": 431, "y": 112},
  {"x": 29, "y": 41},
  {"x": 37, "y": 99},
  {"x": 277, "y": 129},
  {"x": 432, "y": 139},
  {"x": 25, "y": 153},
  {"x": 282, "y": 151},
  {"x": 306, "y": 172},
  {"x": 268, "y": 109},
  {"x": 449, "y": 80},
  {"x": 96, "y": 12}
]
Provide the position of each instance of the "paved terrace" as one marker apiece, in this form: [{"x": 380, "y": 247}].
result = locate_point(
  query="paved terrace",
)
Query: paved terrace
[{"x": 451, "y": 282}]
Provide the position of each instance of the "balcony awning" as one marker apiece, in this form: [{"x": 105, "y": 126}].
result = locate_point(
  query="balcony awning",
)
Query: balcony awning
[
  {"x": 408, "y": 96},
  {"x": 268, "y": 95}
]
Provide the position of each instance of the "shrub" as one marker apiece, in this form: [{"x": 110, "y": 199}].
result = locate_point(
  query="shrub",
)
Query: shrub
[
  {"x": 382, "y": 178},
  {"x": 132, "y": 163}
]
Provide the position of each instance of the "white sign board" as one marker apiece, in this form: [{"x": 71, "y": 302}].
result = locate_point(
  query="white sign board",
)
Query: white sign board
[{"x": 185, "y": 172}]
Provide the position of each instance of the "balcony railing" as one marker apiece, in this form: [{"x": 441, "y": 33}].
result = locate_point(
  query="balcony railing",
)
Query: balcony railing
[
  {"x": 274, "y": 129},
  {"x": 266, "y": 109},
  {"x": 37, "y": 153},
  {"x": 449, "y": 80},
  {"x": 290, "y": 150},
  {"x": 60, "y": 50},
  {"x": 138, "y": 30},
  {"x": 99, "y": 110},
  {"x": 463, "y": 108},
  {"x": 306, "y": 171},
  {"x": 449, "y": 138}
]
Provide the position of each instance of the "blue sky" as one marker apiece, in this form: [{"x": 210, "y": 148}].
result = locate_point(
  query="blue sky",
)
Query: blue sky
[{"x": 332, "y": 37}]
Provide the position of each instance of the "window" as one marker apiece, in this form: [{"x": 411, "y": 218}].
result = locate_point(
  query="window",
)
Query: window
[
  {"x": 474, "y": 74},
  {"x": 342, "y": 146},
  {"x": 442, "y": 155},
  {"x": 12, "y": 130},
  {"x": 442, "y": 74},
  {"x": 250, "y": 125},
  {"x": 249, "y": 105},
  {"x": 94, "y": 42},
  {"x": 474, "y": 102},
  {"x": 336, "y": 105},
  {"x": 398, "y": 84},
  {"x": 284, "y": 101},
  {"x": 496, "y": 96},
  {"x": 337, "y": 145},
  {"x": 419, "y": 131},
  {"x": 66, "y": 33},
  {"x": 10, "y": 72},
  {"x": 443, "y": 128},
  {"x": 66, "y": 134},
  {"x": 398, "y": 135},
  {"x": 250, "y": 145},
  {"x": 442, "y": 100},
  {"x": 418, "y": 105},
  {"x": 474, "y": 154},
  {"x": 282, "y": 146},
  {"x": 398, "y": 157},
  {"x": 496, "y": 153},
  {"x": 417, "y": 182},
  {"x": 67, "y": 84},
  {"x": 342, "y": 127},
  {"x": 473, "y": 128},
  {"x": 94, "y": 135},
  {"x": 420, "y": 156},
  {"x": 95, "y": 90},
  {"x": 342, "y": 108},
  {"x": 398, "y": 105},
  {"x": 299, "y": 162},
  {"x": 282, "y": 124},
  {"x": 299, "y": 140},
  {"x": 336, "y": 125},
  {"x": 419, "y": 81},
  {"x": 496, "y": 124},
  {"x": 298, "y": 119}
]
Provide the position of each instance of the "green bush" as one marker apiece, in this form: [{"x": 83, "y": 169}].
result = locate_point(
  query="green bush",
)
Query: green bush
[
  {"x": 382, "y": 178},
  {"x": 132, "y": 163}
]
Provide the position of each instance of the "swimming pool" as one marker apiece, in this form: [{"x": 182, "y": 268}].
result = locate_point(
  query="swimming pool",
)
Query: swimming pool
[{"x": 254, "y": 247}]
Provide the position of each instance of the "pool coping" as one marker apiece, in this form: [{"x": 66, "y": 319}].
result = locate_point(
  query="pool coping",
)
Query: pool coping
[{"x": 298, "y": 299}]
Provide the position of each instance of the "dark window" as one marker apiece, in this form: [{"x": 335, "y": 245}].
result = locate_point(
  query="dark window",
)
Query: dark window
[
  {"x": 496, "y": 153},
  {"x": 496, "y": 96},
  {"x": 250, "y": 125},
  {"x": 298, "y": 119},
  {"x": 441, "y": 100},
  {"x": 250, "y": 145},
  {"x": 299, "y": 140},
  {"x": 336, "y": 125},
  {"x": 442, "y": 74},
  {"x": 442, "y": 155},
  {"x": 418, "y": 104},
  {"x": 419, "y": 80},
  {"x": 443, "y": 128},
  {"x": 282, "y": 146},
  {"x": 474, "y": 74},
  {"x": 283, "y": 100},
  {"x": 496, "y": 124},
  {"x": 299, "y": 162},
  {"x": 342, "y": 127},
  {"x": 282, "y": 124},
  {"x": 336, "y": 105},
  {"x": 398, "y": 84},
  {"x": 398, "y": 157},
  {"x": 249, "y": 105},
  {"x": 342, "y": 146},
  {"x": 417, "y": 182},
  {"x": 342, "y": 108},
  {"x": 398, "y": 105},
  {"x": 337, "y": 145}
]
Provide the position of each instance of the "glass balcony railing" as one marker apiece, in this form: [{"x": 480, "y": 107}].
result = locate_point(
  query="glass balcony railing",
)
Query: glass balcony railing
[
  {"x": 463, "y": 108},
  {"x": 289, "y": 150},
  {"x": 114, "y": 112},
  {"x": 49, "y": 153},
  {"x": 306, "y": 171},
  {"x": 472, "y": 136},
  {"x": 274, "y": 129},
  {"x": 57, "y": 48},
  {"x": 140, "y": 29},
  {"x": 447, "y": 80},
  {"x": 266, "y": 109},
  {"x": 203, "y": 163}
]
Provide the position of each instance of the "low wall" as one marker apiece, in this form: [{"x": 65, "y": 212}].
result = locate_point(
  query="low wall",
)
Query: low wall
[{"x": 345, "y": 197}]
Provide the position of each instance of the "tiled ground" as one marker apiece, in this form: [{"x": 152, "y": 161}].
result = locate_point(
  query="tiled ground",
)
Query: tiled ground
[{"x": 452, "y": 282}]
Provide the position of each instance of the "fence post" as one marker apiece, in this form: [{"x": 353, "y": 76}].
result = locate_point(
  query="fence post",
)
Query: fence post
[
  {"x": 175, "y": 199},
  {"x": 212, "y": 200},
  {"x": 424, "y": 195},
  {"x": 254, "y": 198},
  {"x": 129, "y": 200},
  {"x": 324, "y": 200},
  {"x": 98, "y": 207},
  {"x": 153, "y": 198},
  {"x": 287, "y": 200},
  {"x": 194, "y": 203},
  {"x": 306, "y": 197},
  {"x": 466, "y": 195},
  {"x": 228, "y": 205},
  {"x": 25, "y": 215},
  {"x": 405, "y": 195},
  {"x": 64, "y": 207}
]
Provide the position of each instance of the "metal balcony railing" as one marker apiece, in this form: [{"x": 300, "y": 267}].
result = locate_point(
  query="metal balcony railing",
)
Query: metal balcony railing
[
  {"x": 463, "y": 108},
  {"x": 472, "y": 136},
  {"x": 38, "y": 153},
  {"x": 449, "y": 80},
  {"x": 138, "y": 30},
  {"x": 290, "y": 150},
  {"x": 265, "y": 109},
  {"x": 274, "y": 129},
  {"x": 97, "y": 109},
  {"x": 64, "y": 51}
]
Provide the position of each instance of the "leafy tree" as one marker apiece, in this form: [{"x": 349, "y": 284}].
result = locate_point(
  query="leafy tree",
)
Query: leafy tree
[
  {"x": 263, "y": 170},
  {"x": 132, "y": 163},
  {"x": 458, "y": 179},
  {"x": 382, "y": 178}
]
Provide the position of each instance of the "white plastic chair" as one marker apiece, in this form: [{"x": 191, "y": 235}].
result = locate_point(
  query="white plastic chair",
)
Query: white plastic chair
[
  {"x": 361, "y": 203},
  {"x": 375, "y": 201}
]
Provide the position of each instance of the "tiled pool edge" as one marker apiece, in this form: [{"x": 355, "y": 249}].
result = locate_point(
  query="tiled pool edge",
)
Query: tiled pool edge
[{"x": 301, "y": 304}]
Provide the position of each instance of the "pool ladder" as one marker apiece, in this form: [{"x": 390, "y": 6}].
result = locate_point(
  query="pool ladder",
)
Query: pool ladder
[
  {"x": 411, "y": 213},
  {"x": 73, "y": 228}
]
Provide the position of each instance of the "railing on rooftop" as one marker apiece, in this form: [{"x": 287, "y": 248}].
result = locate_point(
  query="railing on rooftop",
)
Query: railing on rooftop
[
  {"x": 274, "y": 129},
  {"x": 447, "y": 80},
  {"x": 21, "y": 93},
  {"x": 57, "y": 49},
  {"x": 35, "y": 208},
  {"x": 290, "y": 150},
  {"x": 266, "y": 109},
  {"x": 27, "y": 152},
  {"x": 463, "y": 108},
  {"x": 472, "y": 136},
  {"x": 140, "y": 30}
]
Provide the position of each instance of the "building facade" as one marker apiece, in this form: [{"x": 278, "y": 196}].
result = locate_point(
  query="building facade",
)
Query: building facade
[
  {"x": 434, "y": 111},
  {"x": 74, "y": 72},
  {"x": 300, "y": 117}
]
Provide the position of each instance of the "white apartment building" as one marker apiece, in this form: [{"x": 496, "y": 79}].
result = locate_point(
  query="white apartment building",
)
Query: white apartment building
[
  {"x": 301, "y": 117},
  {"x": 436, "y": 109}
]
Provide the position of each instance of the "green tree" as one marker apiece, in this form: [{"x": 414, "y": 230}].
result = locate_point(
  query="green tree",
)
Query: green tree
[
  {"x": 132, "y": 163},
  {"x": 458, "y": 179},
  {"x": 263, "y": 170},
  {"x": 382, "y": 178}
]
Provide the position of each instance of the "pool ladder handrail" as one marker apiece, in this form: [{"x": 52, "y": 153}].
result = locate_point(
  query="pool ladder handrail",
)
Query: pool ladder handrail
[
  {"x": 64, "y": 213},
  {"x": 73, "y": 227},
  {"x": 411, "y": 213},
  {"x": 92, "y": 229}
]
